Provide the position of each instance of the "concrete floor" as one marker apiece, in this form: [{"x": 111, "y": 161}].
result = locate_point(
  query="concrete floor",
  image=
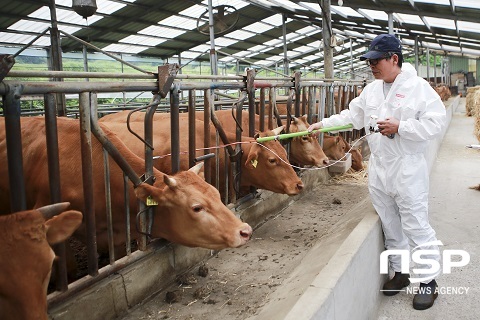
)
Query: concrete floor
[{"x": 455, "y": 216}]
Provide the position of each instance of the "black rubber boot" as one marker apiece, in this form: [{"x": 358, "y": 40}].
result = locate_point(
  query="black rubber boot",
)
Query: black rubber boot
[
  {"x": 426, "y": 296},
  {"x": 397, "y": 283}
]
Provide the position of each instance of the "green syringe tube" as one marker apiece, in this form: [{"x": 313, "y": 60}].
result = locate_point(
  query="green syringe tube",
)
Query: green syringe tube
[{"x": 302, "y": 133}]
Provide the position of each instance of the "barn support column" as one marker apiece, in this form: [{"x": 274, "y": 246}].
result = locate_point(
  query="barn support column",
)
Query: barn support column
[
  {"x": 390, "y": 23},
  {"x": 416, "y": 53},
  {"x": 428, "y": 65},
  {"x": 327, "y": 33},
  {"x": 12, "y": 111},
  {"x": 56, "y": 58},
  {"x": 213, "y": 54},
  {"x": 284, "y": 33}
]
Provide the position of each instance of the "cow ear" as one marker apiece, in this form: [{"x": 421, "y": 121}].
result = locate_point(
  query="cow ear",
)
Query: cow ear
[
  {"x": 252, "y": 160},
  {"x": 62, "y": 226},
  {"x": 143, "y": 191}
]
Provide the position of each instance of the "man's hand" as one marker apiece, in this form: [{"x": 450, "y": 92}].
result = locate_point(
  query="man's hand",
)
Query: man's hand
[
  {"x": 315, "y": 126},
  {"x": 388, "y": 126}
]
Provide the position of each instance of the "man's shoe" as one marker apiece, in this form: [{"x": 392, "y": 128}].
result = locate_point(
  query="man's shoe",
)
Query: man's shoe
[
  {"x": 427, "y": 293},
  {"x": 396, "y": 284}
]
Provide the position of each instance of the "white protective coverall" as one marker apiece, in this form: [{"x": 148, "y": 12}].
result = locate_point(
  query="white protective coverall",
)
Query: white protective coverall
[{"x": 398, "y": 176}]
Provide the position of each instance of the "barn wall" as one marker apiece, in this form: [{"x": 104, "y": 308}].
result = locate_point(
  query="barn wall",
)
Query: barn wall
[{"x": 458, "y": 64}]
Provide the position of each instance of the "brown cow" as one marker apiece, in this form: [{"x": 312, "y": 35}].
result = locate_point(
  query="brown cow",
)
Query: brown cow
[
  {"x": 304, "y": 150},
  {"x": 335, "y": 148},
  {"x": 26, "y": 258},
  {"x": 260, "y": 167},
  {"x": 189, "y": 210}
]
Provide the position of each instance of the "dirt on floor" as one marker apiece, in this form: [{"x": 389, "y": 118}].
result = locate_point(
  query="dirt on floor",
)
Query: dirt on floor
[{"x": 237, "y": 283}]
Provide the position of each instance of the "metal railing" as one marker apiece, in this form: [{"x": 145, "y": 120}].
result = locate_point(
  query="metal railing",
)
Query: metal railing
[{"x": 313, "y": 97}]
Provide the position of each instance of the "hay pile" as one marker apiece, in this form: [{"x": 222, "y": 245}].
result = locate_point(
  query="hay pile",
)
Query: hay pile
[
  {"x": 476, "y": 114},
  {"x": 352, "y": 176},
  {"x": 470, "y": 100}
]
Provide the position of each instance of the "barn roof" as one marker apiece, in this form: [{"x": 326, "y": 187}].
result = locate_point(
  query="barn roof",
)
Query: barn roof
[{"x": 165, "y": 29}]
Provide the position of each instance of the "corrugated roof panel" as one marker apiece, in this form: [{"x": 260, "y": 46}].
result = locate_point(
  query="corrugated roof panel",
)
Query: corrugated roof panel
[
  {"x": 275, "y": 20},
  {"x": 289, "y": 4},
  {"x": 109, "y": 7},
  {"x": 240, "y": 34},
  {"x": 258, "y": 27},
  {"x": 15, "y": 37},
  {"x": 224, "y": 42},
  {"x": 123, "y": 48},
  {"x": 29, "y": 26},
  {"x": 163, "y": 32},
  {"x": 442, "y": 2},
  {"x": 376, "y": 14},
  {"x": 194, "y": 11},
  {"x": 467, "y": 3},
  {"x": 347, "y": 11},
  {"x": 145, "y": 41},
  {"x": 179, "y": 22},
  {"x": 469, "y": 26},
  {"x": 200, "y": 48},
  {"x": 237, "y": 4},
  {"x": 442, "y": 23},
  {"x": 190, "y": 54}
]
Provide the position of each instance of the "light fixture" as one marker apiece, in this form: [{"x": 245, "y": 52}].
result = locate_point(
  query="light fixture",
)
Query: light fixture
[{"x": 340, "y": 3}]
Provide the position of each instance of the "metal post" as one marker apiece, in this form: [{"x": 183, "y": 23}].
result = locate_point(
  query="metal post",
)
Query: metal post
[
  {"x": 213, "y": 55},
  {"x": 56, "y": 57},
  {"x": 51, "y": 133},
  {"x": 284, "y": 33},
  {"x": 428, "y": 65},
  {"x": 12, "y": 111},
  {"x": 87, "y": 177},
  {"x": 416, "y": 53},
  {"x": 327, "y": 40},
  {"x": 174, "y": 123},
  {"x": 251, "y": 101},
  {"x": 390, "y": 22}
]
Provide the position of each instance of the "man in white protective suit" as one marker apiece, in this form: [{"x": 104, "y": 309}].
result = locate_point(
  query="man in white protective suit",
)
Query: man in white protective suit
[{"x": 402, "y": 112}]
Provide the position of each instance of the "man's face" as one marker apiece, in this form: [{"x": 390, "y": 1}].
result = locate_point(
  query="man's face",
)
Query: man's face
[{"x": 384, "y": 68}]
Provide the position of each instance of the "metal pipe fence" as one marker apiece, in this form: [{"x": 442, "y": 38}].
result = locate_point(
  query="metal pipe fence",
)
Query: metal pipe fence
[{"x": 258, "y": 97}]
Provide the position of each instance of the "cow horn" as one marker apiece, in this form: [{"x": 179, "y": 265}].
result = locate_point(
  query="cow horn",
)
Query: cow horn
[
  {"x": 52, "y": 210},
  {"x": 196, "y": 168},
  {"x": 278, "y": 130},
  {"x": 170, "y": 182}
]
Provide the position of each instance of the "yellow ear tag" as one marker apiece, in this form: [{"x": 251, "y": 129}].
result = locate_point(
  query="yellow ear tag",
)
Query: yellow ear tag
[
  {"x": 150, "y": 201},
  {"x": 254, "y": 163}
]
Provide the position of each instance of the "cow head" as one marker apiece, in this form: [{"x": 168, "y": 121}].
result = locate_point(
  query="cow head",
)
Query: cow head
[
  {"x": 26, "y": 258},
  {"x": 305, "y": 150},
  {"x": 190, "y": 212},
  {"x": 269, "y": 169},
  {"x": 334, "y": 147}
]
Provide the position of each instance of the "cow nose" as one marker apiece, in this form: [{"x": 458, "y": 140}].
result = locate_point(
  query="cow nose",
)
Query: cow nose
[
  {"x": 246, "y": 231},
  {"x": 300, "y": 186},
  {"x": 325, "y": 161}
]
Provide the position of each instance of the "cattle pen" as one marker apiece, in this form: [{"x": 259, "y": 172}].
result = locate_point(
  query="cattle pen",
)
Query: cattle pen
[{"x": 312, "y": 97}]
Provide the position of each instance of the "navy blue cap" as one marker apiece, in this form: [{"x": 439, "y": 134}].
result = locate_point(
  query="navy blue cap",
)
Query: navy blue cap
[{"x": 382, "y": 44}]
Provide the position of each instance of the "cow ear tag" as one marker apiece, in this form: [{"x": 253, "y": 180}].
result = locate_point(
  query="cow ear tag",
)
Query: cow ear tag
[
  {"x": 254, "y": 163},
  {"x": 150, "y": 201}
]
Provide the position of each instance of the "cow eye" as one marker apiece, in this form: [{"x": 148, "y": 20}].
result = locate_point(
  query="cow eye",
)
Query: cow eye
[
  {"x": 305, "y": 138},
  {"x": 272, "y": 160},
  {"x": 197, "y": 208}
]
